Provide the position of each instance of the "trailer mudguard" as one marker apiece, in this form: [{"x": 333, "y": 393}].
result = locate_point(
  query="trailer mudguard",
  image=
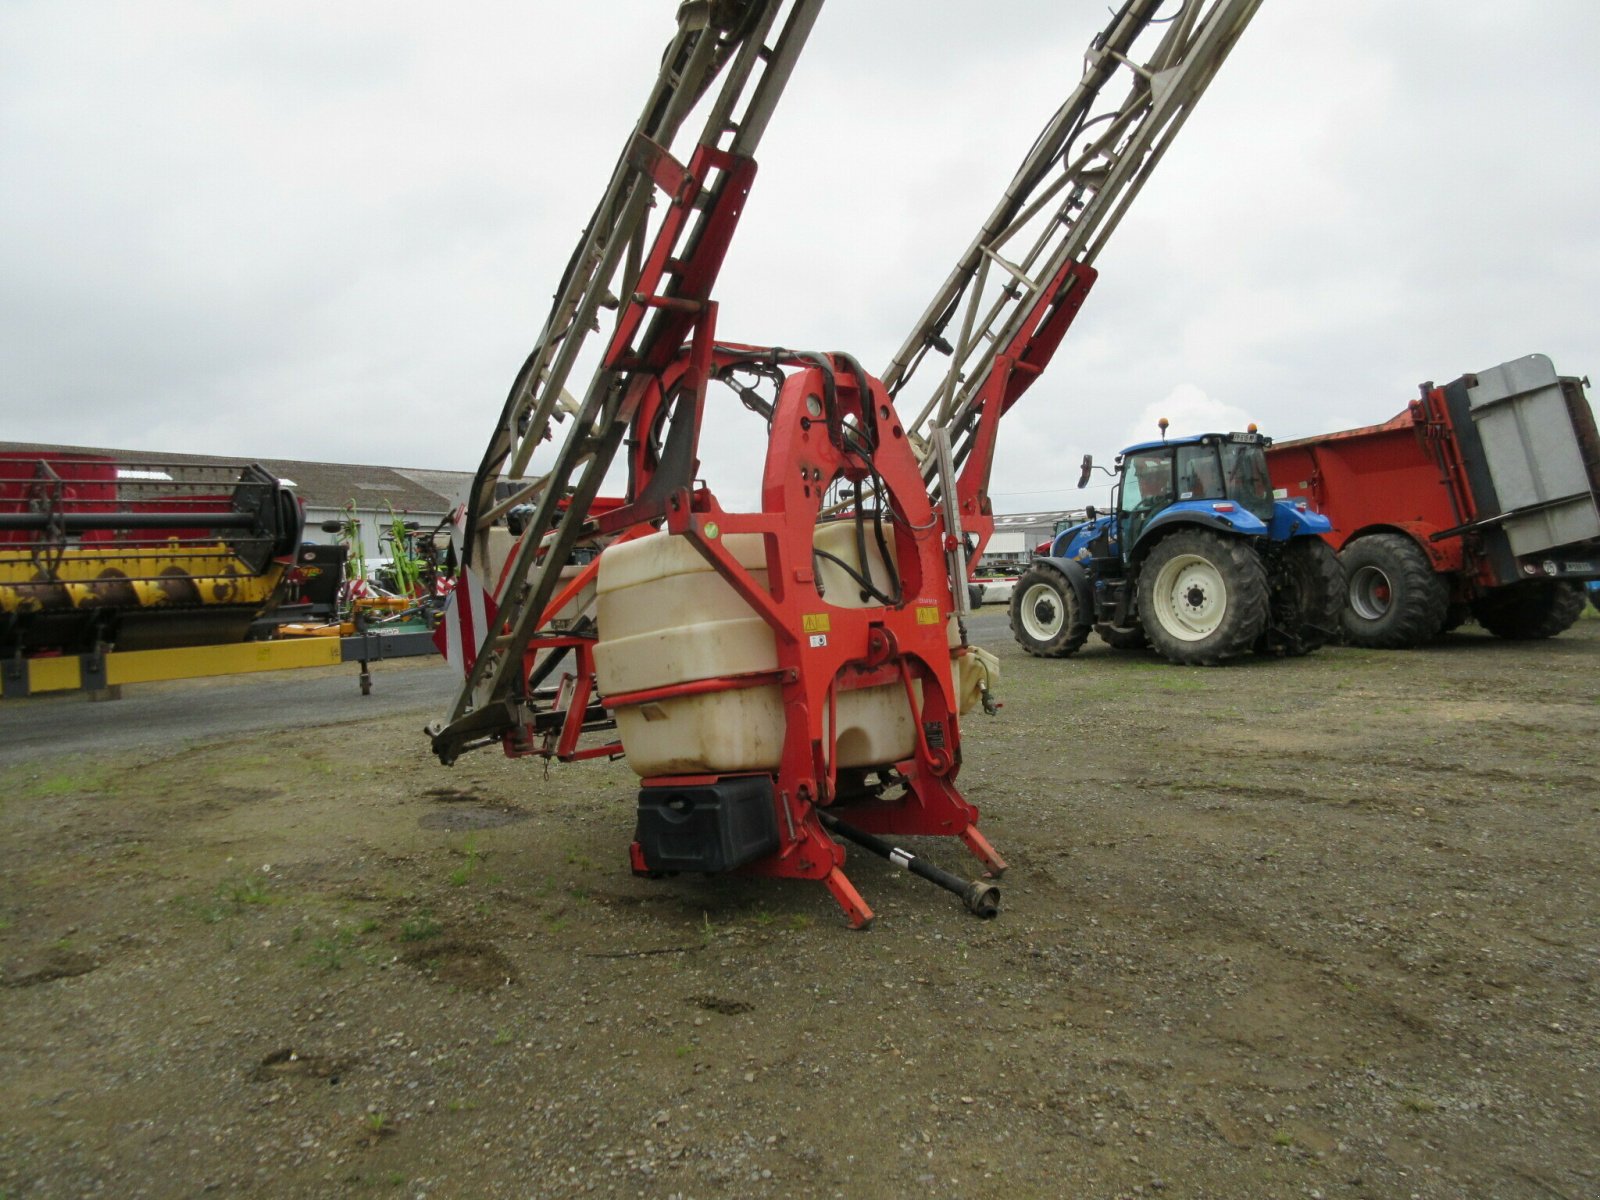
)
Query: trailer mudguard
[{"x": 1445, "y": 554}]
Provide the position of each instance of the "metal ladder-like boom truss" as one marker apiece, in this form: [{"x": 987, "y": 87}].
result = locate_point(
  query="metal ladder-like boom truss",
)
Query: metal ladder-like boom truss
[
  {"x": 656, "y": 288},
  {"x": 1014, "y": 292},
  {"x": 1010, "y": 298}
]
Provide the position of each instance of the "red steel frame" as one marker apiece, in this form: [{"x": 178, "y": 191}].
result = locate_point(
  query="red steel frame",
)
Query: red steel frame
[{"x": 822, "y": 649}]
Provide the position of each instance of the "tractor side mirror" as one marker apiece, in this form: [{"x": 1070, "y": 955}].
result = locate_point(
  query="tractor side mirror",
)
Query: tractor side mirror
[
  {"x": 1091, "y": 512},
  {"x": 1088, "y": 466}
]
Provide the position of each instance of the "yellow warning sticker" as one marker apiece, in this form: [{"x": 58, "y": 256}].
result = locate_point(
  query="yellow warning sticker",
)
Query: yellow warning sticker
[
  {"x": 813, "y": 622},
  {"x": 927, "y": 614}
]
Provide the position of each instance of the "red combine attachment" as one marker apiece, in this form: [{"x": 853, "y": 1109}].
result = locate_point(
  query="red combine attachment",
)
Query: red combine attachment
[{"x": 96, "y": 553}]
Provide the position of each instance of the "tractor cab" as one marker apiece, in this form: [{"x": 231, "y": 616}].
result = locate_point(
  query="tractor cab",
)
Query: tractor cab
[
  {"x": 1191, "y": 474},
  {"x": 1201, "y": 477}
]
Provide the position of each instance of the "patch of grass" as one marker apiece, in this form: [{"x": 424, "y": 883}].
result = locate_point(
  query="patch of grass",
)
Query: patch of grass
[
  {"x": 462, "y": 875},
  {"x": 241, "y": 890},
  {"x": 1419, "y": 1104},
  {"x": 502, "y": 1036},
  {"x": 420, "y": 927},
  {"x": 65, "y": 783},
  {"x": 1283, "y": 1138},
  {"x": 229, "y": 898},
  {"x": 329, "y": 954}
]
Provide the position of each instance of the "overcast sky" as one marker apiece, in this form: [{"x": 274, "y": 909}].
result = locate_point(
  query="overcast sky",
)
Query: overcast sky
[{"x": 332, "y": 231}]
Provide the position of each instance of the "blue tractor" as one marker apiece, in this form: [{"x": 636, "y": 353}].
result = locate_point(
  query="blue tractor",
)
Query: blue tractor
[{"x": 1197, "y": 559}]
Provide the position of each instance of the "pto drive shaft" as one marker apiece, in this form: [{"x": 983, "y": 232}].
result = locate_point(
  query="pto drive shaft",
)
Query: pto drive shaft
[{"x": 982, "y": 899}]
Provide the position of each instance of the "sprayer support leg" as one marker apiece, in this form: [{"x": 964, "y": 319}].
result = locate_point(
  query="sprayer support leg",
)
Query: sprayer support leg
[
  {"x": 855, "y": 908},
  {"x": 979, "y": 845}
]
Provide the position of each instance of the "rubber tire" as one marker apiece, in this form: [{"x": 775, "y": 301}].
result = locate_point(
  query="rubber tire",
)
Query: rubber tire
[
  {"x": 1307, "y": 599},
  {"x": 1417, "y": 600},
  {"x": 1235, "y": 567},
  {"x": 1057, "y": 625},
  {"x": 1531, "y": 609},
  {"x": 1122, "y": 639}
]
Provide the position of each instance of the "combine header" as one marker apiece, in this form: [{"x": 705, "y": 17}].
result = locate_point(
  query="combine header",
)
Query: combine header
[{"x": 99, "y": 555}]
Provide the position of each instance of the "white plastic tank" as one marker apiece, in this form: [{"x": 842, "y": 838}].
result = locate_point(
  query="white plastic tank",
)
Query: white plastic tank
[{"x": 666, "y": 617}]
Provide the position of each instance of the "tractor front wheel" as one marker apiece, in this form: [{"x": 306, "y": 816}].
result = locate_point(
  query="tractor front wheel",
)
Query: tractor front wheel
[
  {"x": 1533, "y": 608},
  {"x": 1046, "y": 618},
  {"x": 1203, "y": 597},
  {"x": 1393, "y": 599}
]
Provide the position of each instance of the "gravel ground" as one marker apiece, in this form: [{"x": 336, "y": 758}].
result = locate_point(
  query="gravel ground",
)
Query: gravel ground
[{"x": 1315, "y": 928}]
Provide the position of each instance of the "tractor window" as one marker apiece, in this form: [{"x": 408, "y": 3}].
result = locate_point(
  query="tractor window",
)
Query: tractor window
[
  {"x": 1146, "y": 490},
  {"x": 1147, "y": 481},
  {"x": 1245, "y": 467},
  {"x": 1199, "y": 473}
]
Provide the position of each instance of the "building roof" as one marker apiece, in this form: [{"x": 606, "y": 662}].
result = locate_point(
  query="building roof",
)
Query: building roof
[
  {"x": 320, "y": 485},
  {"x": 1034, "y": 520}
]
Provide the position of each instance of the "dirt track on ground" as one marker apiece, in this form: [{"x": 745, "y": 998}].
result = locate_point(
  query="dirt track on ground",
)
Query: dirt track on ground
[{"x": 1325, "y": 927}]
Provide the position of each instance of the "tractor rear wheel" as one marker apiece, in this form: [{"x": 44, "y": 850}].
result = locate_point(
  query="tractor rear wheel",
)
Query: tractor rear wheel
[
  {"x": 1533, "y": 608},
  {"x": 1203, "y": 597},
  {"x": 1046, "y": 618},
  {"x": 1393, "y": 598},
  {"x": 1307, "y": 598}
]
